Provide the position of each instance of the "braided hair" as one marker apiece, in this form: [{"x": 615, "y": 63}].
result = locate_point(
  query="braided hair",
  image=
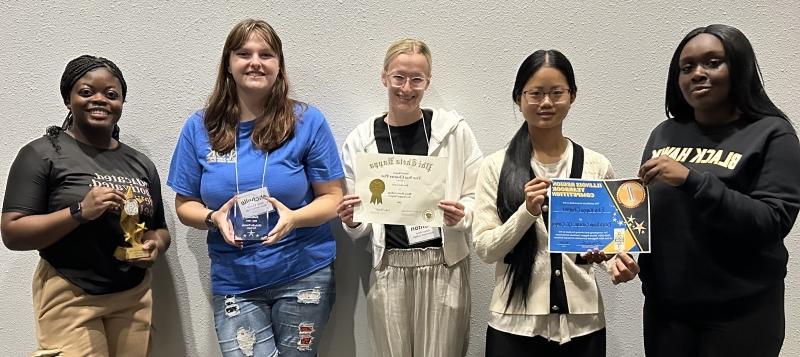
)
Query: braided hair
[{"x": 76, "y": 69}]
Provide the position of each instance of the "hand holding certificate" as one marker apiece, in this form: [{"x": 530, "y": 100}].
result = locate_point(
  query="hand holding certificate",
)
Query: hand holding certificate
[
  {"x": 611, "y": 215},
  {"x": 400, "y": 189}
]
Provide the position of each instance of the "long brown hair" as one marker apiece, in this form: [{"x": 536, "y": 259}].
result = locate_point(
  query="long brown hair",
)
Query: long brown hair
[{"x": 276, "y": 124}]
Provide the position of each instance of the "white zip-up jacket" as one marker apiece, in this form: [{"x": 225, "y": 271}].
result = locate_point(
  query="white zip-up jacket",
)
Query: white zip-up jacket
[{"x": 451, "y": 137}]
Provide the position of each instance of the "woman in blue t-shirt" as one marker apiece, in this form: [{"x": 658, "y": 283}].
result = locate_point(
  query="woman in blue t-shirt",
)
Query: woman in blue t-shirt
[{"x": 254, "y": 152}]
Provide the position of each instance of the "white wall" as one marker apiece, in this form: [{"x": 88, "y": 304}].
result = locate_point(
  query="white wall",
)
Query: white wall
[{"x": 169, "y": 51}]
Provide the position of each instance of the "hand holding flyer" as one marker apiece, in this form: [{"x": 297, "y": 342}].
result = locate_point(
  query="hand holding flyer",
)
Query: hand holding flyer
[{"x": 611, "y": 215}]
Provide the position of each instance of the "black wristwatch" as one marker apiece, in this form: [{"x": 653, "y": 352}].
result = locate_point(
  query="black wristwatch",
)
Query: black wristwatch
[
  {"x": 212, "y": 226},
  {"x": 76, "y": 213}
]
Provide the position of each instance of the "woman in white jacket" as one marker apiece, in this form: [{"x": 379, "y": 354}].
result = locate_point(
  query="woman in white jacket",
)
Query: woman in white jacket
[
  {"x": 543, "y": 304},
  {"x": 419, "y": 298}
]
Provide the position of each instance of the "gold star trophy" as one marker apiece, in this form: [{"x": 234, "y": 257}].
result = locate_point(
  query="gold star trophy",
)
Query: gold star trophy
[{"x": 129, "y": 221}]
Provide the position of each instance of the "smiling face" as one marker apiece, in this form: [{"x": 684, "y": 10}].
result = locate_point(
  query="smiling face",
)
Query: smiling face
[
  {"x": 254, "y": 67},
  {"x": 96, "y": 102},
  {"x": 405, "y": 99},
  {"x": 547, "y": 114},
  {"x": 704, "y": 77}
]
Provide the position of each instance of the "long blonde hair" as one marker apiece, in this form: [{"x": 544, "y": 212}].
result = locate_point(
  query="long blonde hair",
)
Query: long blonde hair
[{"x": 222, "y": 109}]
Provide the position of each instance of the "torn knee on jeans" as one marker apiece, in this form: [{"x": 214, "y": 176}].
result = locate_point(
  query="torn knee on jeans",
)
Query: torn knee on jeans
[
  {"x": 305, "y": 329},
  {"x": 247, "y": 340},
  {"x": 309, "y": 296},
  {"x": 231, "y": 307}
]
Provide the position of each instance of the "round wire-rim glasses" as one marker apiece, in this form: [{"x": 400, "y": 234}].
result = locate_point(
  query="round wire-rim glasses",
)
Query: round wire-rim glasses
[{"x": 556, "y": 95}]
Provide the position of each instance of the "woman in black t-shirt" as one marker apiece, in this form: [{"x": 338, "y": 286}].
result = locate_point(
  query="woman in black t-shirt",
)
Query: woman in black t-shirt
[{"x": 65, "y": 197}]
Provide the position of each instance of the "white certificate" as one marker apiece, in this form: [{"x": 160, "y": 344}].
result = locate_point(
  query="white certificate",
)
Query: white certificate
[{"x": 400, "y": 189}]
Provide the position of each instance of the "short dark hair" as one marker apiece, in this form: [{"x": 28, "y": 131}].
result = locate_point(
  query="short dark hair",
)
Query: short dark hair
[
  {"x": 747, "y": 92},
  {"x": 77, "y": 68},
  {"x": 83, "y": 64}
]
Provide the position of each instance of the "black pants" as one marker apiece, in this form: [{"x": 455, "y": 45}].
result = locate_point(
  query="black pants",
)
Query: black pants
[
  {"x": 752, "y": 326},
  {"x": 503, "y": 344}
]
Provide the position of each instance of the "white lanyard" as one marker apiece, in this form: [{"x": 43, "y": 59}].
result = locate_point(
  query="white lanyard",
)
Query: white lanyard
[
  {"x": 417, "y": 234},
  {"x": 424, "y": 127},
  {"x": 236, "y": 163}
]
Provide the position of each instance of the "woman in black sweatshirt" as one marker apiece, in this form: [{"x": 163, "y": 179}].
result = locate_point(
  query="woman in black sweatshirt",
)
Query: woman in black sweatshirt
[{"x": 725, "y": 191}]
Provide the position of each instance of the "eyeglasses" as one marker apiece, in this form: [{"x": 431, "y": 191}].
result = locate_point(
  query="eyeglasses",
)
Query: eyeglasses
[
  {"x": 536, "y": 96},
  {"x": 415, "y": 82}
]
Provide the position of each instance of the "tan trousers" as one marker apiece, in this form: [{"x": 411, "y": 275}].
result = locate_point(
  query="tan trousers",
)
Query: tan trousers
[
  {"x": 419, "y": 307},
  {"x": 70, "y": 322}
]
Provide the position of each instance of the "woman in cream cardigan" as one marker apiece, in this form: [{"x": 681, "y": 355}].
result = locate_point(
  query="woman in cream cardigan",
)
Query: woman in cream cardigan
[{"x": 542, "y": 304}]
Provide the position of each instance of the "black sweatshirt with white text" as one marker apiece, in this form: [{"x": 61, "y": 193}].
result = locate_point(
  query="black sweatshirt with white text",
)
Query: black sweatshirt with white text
[{"x": 720, "y": 235}]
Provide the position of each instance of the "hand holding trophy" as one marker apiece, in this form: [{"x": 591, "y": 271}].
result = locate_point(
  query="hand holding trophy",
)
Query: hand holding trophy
[{"x": 133, "y": 230}]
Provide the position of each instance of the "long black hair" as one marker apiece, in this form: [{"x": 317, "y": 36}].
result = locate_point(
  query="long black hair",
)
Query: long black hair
[
  {"x": 747, "y": 91},
  {"x": 76, "y": 69},
  {"x": 517, "y": 171}
]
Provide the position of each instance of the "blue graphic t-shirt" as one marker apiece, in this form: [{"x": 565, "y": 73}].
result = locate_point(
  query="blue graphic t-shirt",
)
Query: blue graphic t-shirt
[{"x": 310, "y": 155}]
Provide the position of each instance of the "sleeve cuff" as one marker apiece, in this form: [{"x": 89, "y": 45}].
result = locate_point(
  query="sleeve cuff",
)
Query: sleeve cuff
[
  {"x": 692, "y": 183},
  {"x": 357, "y": 231},
  {"x": 526, "y": 216}
]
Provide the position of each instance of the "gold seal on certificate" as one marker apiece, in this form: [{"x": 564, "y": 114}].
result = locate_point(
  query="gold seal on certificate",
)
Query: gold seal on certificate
[
  {"x": 427, "y": 216},
  {"x": 376, "y": 187},
  {"x": 402, "y": 189},
  {"x": 132, "y": 228}
]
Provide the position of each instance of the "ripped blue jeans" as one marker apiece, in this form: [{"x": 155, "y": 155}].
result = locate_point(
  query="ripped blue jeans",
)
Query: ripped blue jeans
[{"x": 286, "y": 320}]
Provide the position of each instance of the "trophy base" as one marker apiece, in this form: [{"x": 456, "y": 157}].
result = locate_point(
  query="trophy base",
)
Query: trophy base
[{"x": 123, "y": 253}]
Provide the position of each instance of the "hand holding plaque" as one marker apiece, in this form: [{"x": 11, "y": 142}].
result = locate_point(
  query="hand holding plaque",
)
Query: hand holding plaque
[
  {"x": 132, "y": 228},
  {"x": 250, "y": 215}
]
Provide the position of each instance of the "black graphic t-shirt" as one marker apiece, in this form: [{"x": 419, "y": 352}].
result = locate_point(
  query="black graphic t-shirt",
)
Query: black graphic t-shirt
[
  {"x": 408, "y": 140},
  {"x": 43, "y": 180}
]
